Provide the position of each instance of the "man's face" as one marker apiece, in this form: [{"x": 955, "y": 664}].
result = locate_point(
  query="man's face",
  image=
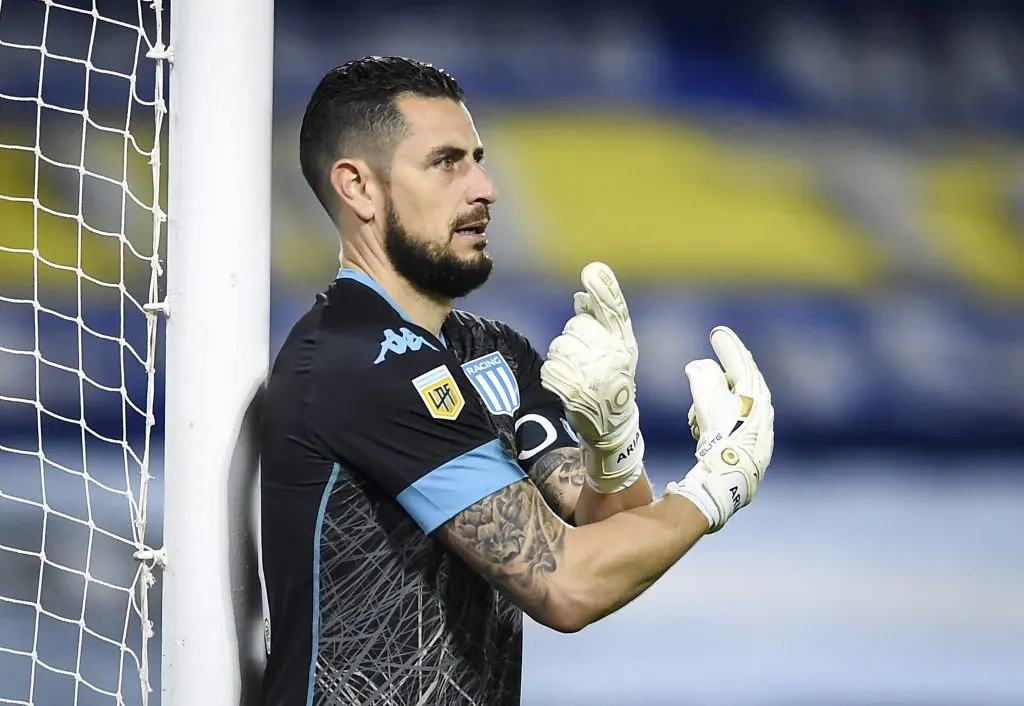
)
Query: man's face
[{"x": 439, "y": 200}]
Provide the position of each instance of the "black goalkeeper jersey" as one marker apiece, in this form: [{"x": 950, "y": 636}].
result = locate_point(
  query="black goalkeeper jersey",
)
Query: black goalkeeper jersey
[{"x": 375, "y": 434}]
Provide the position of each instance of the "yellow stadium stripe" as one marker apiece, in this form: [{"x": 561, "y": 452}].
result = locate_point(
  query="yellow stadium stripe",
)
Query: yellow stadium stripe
[
  {"x": 64, "y": 242},
  {"x": 656, "y": 199},
  {"x": 967, "y": 206}
]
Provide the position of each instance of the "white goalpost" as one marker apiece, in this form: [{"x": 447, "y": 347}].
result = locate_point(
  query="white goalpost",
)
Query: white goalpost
[
  {"x": 134, "y": 335},
  {"x": 218, "y": 295}
]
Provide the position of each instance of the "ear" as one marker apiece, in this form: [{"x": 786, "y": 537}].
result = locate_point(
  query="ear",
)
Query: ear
[{"x": 351, "y": 180}]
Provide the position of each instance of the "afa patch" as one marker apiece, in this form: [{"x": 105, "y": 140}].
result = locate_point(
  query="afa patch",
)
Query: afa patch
[
  {"x": 494, "y": 381},
  {"x": 440, "y": 393}
]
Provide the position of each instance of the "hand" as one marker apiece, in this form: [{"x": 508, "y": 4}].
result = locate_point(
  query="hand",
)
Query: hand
[
  {"x": 591, "y": 366},
  {"x": 733, "y": 420}
]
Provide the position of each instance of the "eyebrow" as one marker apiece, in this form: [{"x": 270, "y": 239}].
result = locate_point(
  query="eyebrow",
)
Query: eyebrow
[{"x": 454, "y": 153}]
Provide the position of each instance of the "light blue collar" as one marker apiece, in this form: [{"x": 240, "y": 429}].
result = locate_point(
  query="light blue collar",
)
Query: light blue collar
[{"x": 365, "y": 279}]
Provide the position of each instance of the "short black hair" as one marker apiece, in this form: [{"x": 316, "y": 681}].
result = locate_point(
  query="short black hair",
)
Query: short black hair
[{"x": 354, "y": 112}]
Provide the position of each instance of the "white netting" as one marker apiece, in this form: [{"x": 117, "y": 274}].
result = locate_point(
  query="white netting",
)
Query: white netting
[{"x": 81, "y": 124}]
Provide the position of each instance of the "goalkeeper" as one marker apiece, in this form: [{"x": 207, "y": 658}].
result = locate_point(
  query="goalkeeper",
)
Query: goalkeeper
[{"x": 426, "y": 476}]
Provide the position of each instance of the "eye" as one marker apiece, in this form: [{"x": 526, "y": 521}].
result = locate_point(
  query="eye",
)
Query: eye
[{"x": 446, "y": 163}]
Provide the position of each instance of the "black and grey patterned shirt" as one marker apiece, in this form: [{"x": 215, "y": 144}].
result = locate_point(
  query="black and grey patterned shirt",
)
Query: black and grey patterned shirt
[{"x": 376, "y": 433}]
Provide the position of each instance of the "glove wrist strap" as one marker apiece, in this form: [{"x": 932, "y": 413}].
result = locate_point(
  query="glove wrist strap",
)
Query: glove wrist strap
[
  {"x": 696, "y": 491},
  {"x": 612, "y": 469},
  {"x": 614, "y": 485}
]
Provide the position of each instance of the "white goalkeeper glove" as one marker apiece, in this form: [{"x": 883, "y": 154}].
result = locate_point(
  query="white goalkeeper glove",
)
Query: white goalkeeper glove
[
  {"x": 591, "y": 366},
  {"x": 733, "y": 420}
]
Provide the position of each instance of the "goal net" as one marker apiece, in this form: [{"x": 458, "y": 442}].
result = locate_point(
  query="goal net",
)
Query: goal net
[{"x": 81, "y": 126}]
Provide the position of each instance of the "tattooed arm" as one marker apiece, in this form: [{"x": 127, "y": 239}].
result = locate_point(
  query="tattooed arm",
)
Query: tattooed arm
[
  {"x": 568, "y": 577},
  {"x": 559, "y": 475}
]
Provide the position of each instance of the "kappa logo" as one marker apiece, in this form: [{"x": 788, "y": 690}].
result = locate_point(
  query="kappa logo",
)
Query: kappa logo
[
  {"x": 440, "y": 393},
  {"x": 399, "y": 343},
  {"x": 493, "y": 379}
]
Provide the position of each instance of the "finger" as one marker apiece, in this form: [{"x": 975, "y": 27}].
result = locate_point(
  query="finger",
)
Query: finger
[
  {"x": 566, "y": 347},
  {"x": 587, "y": 330},
  {"x": 740, "y": 370},
  {"x": 558, "y": 375},
  {"x": 609, "y": 306},
  {"x": 576, "y": 347},
  {"x": 691, "y": 418},
  {"x": 582, "y": 304},
  {"x": 563, "y": 377},
  {"x": 707, "y": 382}
]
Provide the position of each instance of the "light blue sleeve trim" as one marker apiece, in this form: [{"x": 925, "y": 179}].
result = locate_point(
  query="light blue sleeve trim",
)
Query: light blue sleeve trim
[
  {"x": 452, "y": 487},
  {"x": 317, "y": 536}
]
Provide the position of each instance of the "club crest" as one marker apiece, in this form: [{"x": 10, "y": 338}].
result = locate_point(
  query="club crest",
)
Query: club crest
[{"x": 494, "y": 382}]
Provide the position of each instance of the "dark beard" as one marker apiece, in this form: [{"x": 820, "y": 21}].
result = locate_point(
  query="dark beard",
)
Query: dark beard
[{"x": 432, "y": 269}]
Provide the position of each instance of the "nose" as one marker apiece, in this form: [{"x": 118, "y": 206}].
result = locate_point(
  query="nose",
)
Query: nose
[{"x": 482, "y": 187}]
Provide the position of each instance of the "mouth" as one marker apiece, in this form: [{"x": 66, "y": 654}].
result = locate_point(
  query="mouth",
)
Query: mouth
[{"x": 478, "y": 229}]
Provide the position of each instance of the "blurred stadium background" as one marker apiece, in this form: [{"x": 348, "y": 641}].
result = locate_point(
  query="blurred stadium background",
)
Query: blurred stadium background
[{"x": 842, "y": 182}]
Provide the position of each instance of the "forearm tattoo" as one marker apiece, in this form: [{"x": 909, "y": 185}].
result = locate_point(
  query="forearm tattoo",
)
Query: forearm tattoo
[
  {"x": 559, "y": 475},
  {"x": 512, "y": 538}
]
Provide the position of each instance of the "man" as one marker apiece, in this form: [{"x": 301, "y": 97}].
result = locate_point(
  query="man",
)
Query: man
[{"x": 422, "y": 479}]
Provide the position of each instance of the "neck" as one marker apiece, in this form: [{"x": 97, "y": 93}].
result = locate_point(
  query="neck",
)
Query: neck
[{"x": 422, "y": 309}]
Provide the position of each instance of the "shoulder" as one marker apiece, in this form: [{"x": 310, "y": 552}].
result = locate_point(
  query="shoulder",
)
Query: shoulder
[
  {"x": 483, "y": 343},
  {"x": 356, "y": 352},
  {"x": 483, "y": 327},
  {"x": 378, "y": 364},
  {"x": 469, "y": 320}
]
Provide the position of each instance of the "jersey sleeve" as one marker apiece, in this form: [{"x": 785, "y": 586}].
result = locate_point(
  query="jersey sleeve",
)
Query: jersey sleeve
[
  {"x": 540, "y": 425},
  {"x": 411, "y": 424}
]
